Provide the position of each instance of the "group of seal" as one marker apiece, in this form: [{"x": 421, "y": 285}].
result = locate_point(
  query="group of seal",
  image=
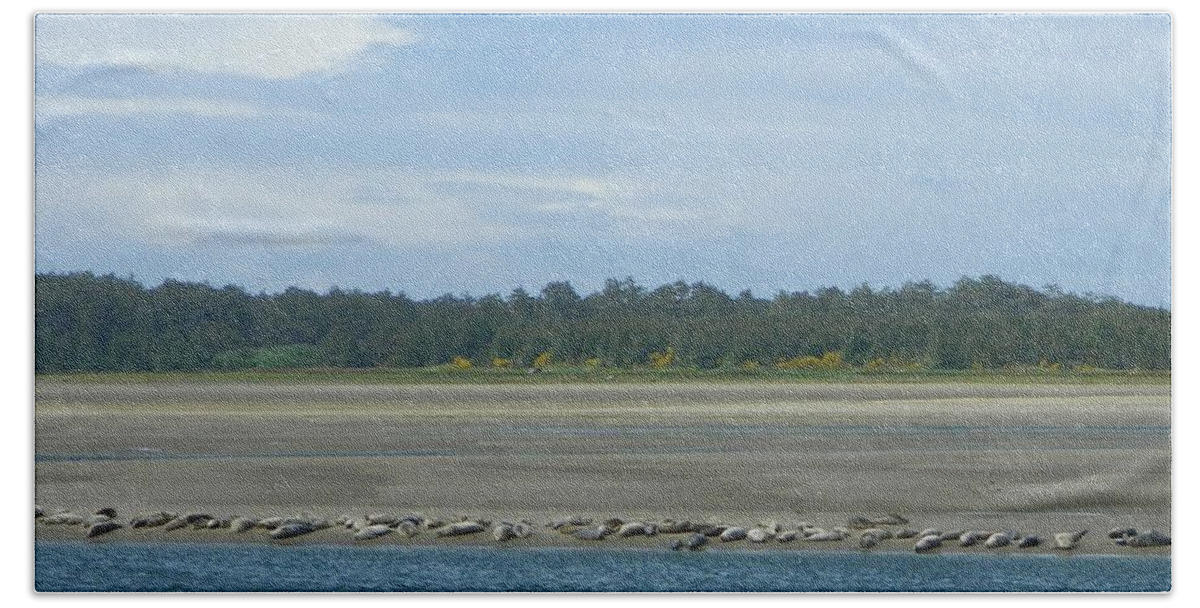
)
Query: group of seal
[{"x": 872, "y": 531}]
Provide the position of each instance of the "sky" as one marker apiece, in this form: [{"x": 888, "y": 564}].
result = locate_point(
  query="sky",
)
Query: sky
[{"x": 447, "y": 153}]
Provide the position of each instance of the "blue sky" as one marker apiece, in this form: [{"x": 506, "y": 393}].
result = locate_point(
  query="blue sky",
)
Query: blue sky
[{"x": 468, "y": 153}]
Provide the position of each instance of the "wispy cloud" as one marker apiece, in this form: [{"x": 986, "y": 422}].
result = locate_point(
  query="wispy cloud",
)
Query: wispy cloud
[
  {"x": 55, "y": 105},
  {"x": 263, "y": 46}
]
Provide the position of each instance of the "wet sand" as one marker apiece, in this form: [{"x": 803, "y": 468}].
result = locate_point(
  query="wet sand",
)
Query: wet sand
[{"x": 1036, "y": 458}]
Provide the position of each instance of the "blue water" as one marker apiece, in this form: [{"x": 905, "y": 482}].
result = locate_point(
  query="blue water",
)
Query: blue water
[{"x": 78, "y": 566}]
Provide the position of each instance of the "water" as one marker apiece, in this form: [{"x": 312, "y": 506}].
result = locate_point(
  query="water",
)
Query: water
[{"x": 78, "y": 566}]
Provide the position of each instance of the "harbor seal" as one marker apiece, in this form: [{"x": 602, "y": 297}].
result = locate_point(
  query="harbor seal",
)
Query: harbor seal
[
  {"x": 243, "y": 524},
  {"x": 695, "y": 542},
  {"x": 503, "y": 531},
  {"x": 759, "y": 535},
  {"x": 373, "y": 532},
  {"x": 970, "y": 539},
  {"x": 66, "y": 518},
  {"x": 1067, "y": 540},
  {"x": 574, "y": 520},
  {"x": 633, "y": 528},
  {"x": 591, "y": 533},
  {"x": 94, "y": 519},
  {"x": 292, "y": 530},
  {"x": 1116, "y": 533},
  {"x": 1152, "y": 538},
  {"x": 827, "y": 536},
  {"x": 152, "y": 520},
  {"x": 385, "y": 519},
  {"x": 999, "y": 539},
  {"x": 868, "y": 540},
  {"x": 928, "y": 543},
  {"x": 460, "y": 528},
  {"x": 1028, "y": 540},
  {"x": 863, "y": 522},
  {"x": 732, "y": 534},
  {"x": 952, "y": 535},
  {"x": 103, "y": 527},
  {"x": 787, "y": 536}
]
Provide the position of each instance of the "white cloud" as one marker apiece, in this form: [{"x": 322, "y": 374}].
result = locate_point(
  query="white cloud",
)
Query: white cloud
[
  {"x": 281, "y": 207},
  {"x": 65, "y": 105},
  {"x": 263, "y": 46},
  {"x": 572, "y": 184}
]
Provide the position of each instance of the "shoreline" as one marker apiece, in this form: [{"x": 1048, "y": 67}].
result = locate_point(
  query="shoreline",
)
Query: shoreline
[
  {"x": 1044, "y": 525},
  {"x": 544, "y": 541}
]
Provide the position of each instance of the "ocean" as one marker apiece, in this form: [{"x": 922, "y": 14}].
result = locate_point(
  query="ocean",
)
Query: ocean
[{"x": 69, "y": 566}]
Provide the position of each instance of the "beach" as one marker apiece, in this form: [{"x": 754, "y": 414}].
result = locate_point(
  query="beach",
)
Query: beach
[{"x": 1039, "y": 458}]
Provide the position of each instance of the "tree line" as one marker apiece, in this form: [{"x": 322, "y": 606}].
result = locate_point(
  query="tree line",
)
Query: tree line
[{"x": 85, "y": 322}]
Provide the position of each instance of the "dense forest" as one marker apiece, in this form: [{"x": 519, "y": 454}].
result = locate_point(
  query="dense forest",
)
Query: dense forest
[{"x": 85, "y": 322}]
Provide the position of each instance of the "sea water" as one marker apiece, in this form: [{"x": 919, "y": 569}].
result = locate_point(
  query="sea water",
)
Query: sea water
[{"x": 159, "y": 567}]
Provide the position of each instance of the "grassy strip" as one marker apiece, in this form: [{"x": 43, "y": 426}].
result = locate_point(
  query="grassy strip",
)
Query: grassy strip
[{"x": 586, "y": 375}]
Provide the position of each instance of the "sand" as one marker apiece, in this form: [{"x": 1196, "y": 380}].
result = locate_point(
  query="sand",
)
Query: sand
[{"x": 1035, "y": 458}]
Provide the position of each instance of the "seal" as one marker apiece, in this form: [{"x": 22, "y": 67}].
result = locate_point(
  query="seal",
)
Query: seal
[
  {"x": 292, "y": 530},
  {"x": 787, "y": 536},
  {"x": 591, "y": 533},
  {"x": 827, "y": 536},
  {"x": 372, "y": 532},
  {"x": 928, "y": 543},
  {"x": 1153, "y": 538},
  {"x": 633, "y": 528},
  {"x": 503, "y": 531},
  {"x": 152, "y": 520},
  {"x": 733, "y": 534},
  {"x": 759, "y": 535},
  {"x": 103, "y": 527},
  {"x": 1116, "y": 533},
  {"x": 970, "y": 539},
  {"x": 243, "y": 524},
  {"x": 999, "y": 539},
  {"x": 868, "y": 540},
  {"x": 460, "y": 528},
  {"x": 1028, "y": 540},
  {"x": 1067, "y": 540},
  {"x": 695, "y": 542}
]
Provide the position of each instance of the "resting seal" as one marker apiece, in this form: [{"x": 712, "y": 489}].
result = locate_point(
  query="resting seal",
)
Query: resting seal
[
  {"x": 733, "y": 534},
  {"x": 103, "y": 527},
  {"x": 371, "y": 532},
  {"x": 460, "y": 528},
  {"x": 1067, "y": 540},
  {"x": 928, "y": 543}
]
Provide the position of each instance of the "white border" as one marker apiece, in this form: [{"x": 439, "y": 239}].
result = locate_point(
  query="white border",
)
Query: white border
[{"x": 17, "y": 222}]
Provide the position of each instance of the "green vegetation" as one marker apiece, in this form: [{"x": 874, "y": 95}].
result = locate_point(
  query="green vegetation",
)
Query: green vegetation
[
  {"x": 977, "y": 329},
  {"x": 447, "y": 374}
]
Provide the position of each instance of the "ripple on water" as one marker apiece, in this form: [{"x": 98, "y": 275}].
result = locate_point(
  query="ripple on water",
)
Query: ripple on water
[{"x": 74, "y": 566}]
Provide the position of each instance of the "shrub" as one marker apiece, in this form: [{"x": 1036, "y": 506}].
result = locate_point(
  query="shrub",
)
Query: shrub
[
  {"x": 593, "y": 362},
  {"x": 501, "y": 363},
  {"x": 542, "y": 361},
  {"x": 460, "y": 363},
  {"x": 664, "y": 359}
]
